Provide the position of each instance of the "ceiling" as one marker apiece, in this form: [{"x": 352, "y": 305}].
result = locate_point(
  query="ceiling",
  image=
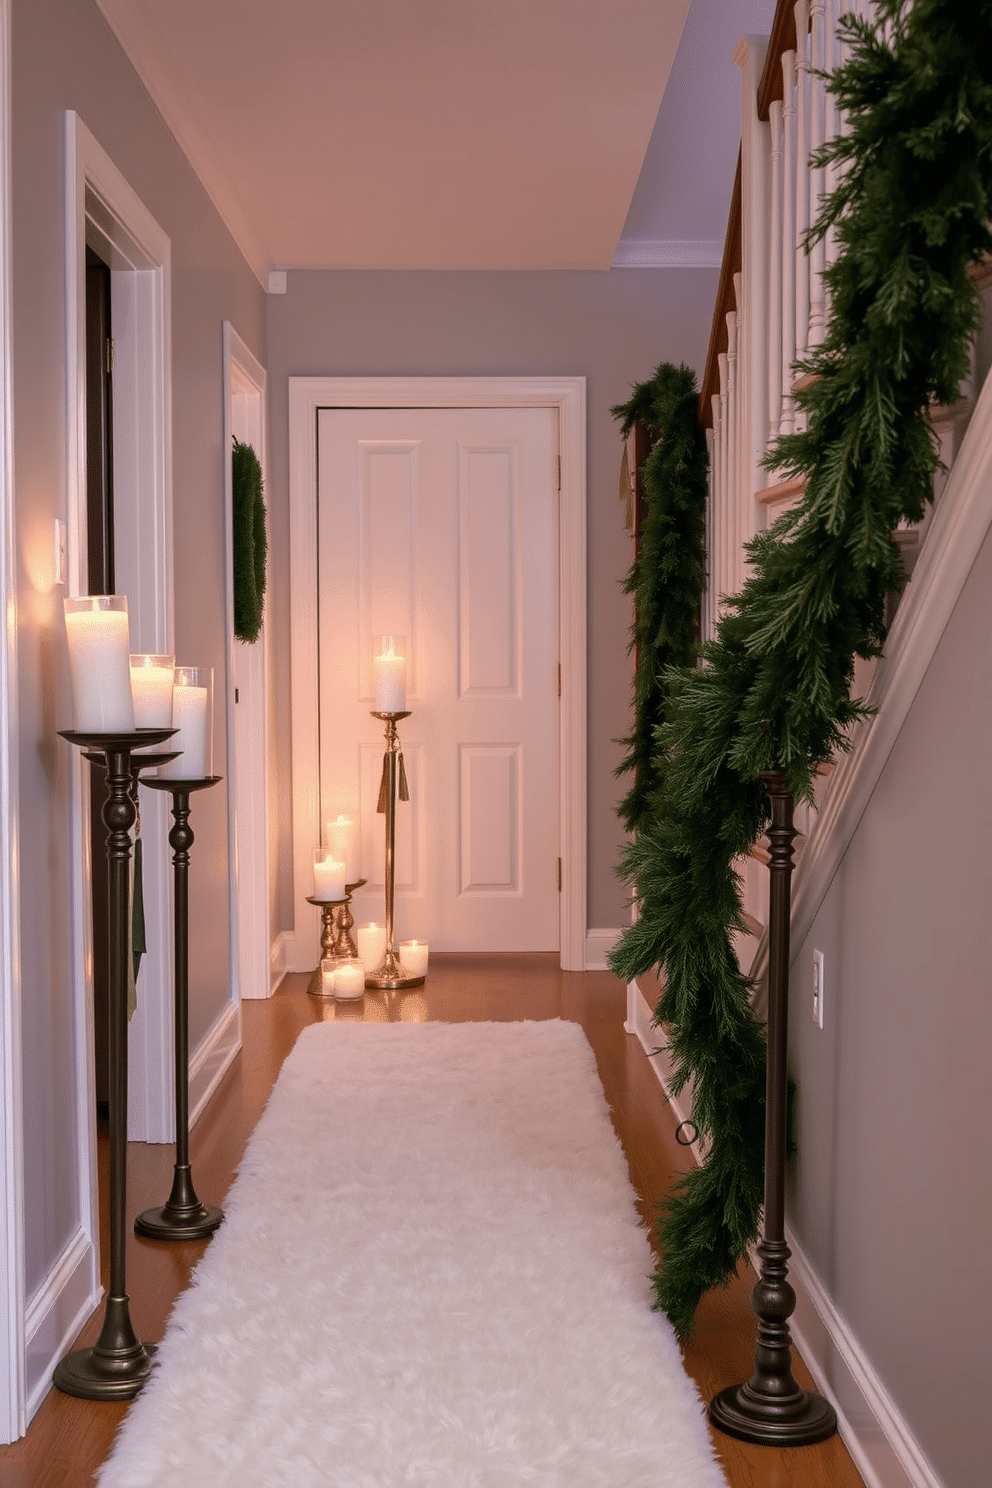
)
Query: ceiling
[{"x": 453, "y": 134}]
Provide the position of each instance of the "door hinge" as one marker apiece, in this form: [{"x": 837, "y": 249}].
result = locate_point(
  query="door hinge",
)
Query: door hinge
[
  {"x": 236, "y": 697},
  {"x": 559, "y": 472},
  {"x": 559, "y": 875},
  {"x": 110, "y": 357}
]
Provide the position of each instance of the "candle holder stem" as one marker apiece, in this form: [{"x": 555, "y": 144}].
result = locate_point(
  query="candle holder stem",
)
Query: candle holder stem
[
  {"x": 390, "y": 973},
  {"x": 771, "y": 1408},
  {"x": 182, "y": 1216},
  {"x": 117, "y": 1365}
]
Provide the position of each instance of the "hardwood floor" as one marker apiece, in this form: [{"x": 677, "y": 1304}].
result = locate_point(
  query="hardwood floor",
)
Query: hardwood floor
[{"x": 68, "y": 1439}]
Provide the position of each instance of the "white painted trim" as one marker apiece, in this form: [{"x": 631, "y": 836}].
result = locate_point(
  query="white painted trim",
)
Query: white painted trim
[
  {"x": 56, "y": 1313},
  {"x": 249, "y": 890},
  {"x": 958, "y": 529},
  {"x": 567, "y": 395},
  {"x": 213, "y": 1057},
  {"x": 599, "y": 944},
  {"x": 13, "y": 1388},
  {"x": 277, "y": 961},
  {"x": 885, "y": 1452},
  {"x": 101, "y": 207},
  {"x": 880, "y": 1442},
  {"x": 668, "y": 253}
]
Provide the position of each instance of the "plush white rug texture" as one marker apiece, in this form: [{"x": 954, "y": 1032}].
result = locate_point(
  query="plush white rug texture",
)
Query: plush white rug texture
[{"x": 431, "y": 1273}]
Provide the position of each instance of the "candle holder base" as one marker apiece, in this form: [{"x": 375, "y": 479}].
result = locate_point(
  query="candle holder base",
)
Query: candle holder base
[
  {"x": 798, "y": 1420},
  {"x": 116, "y": 1366},
  {"x": 390, "y": 975},
  {"x": 166, "y": 1223}
]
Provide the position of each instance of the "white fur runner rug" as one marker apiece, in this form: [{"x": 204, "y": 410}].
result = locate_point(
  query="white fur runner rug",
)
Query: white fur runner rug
[{"x": 432, "y": 1274}]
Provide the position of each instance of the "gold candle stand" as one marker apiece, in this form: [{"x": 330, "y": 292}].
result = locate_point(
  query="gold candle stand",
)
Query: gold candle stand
[
  {"x": 335, "y": 932},
  {"x": 389, "y": 974}
]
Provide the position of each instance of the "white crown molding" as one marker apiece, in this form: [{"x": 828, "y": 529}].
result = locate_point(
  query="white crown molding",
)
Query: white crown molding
[{"x": 668, "y": 253}]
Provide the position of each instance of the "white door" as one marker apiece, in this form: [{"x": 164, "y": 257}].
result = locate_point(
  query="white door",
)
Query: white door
[{"x": 441, "y": 525}]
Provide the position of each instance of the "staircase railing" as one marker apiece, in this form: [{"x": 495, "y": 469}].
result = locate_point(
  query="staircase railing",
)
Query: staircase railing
[{"x": 771, "y": 309}]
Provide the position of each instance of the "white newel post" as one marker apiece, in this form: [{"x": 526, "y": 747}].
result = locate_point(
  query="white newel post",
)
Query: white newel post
[{"x": 730, "y": 495}]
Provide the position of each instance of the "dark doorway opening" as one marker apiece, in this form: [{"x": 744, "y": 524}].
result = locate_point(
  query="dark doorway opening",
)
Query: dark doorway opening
[{"x": 100, "y": 580}]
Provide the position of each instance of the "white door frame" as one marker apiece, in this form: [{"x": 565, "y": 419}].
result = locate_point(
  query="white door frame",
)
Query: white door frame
[
  {"x": 103, "y": 210},
  {"x": 247, "y": 716},
  {"x": 13, "y": 1411},
  {"x": 565, "y": 394}
]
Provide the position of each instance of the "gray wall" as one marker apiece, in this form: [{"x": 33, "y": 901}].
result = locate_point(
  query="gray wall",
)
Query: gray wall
[
  {"x": 64, "y": 57},
  {"x": 612, "y": 328},
  {"x": 892, "y": 1188}
]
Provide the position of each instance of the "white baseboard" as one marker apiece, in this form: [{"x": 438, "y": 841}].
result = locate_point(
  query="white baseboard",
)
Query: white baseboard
[
  {"x": 212, "y": 1058},
  {"x": 277, "y": 961},
  {"x": 598, "y": 945},
  {"x": 880, "y": 1442},
  {"x": 55, "y": 1314}
]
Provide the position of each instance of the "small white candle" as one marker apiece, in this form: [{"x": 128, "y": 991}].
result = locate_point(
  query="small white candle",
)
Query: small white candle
[
  {"x": 349, "y": 979},
  {"x": 413, "y": 956},
  {"x": 151, "y": 690},
  {"x": 191, "y": 720},
  {"x": 340, "y": 836},
  {"x": 371, "y": 943},
  {"x": 327, "y": 977},
  {"x": 99, "y": 670},
  {"x": 328, "y": 879},
  {"x": 389, "y": 671}
]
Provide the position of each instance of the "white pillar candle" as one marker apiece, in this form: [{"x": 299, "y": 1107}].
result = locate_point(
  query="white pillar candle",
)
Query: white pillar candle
[
  {"x": 389, "y": 677},
  {"x": 151, "y": 690},
  {"x": 371, "y": 943},
  {"x": 99, "y": 671},
  {"x": 349, "y": 979},
  {"x": 340, "y": 836},
  {"x": 328, "y": 877},
  {"x": 328, "y": 971},
  {"x": 191, "y": 719},
  {"x": 413, "y": 956}
]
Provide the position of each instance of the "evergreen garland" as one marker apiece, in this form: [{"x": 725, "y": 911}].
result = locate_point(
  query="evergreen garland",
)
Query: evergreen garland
[
  {"x": 669, "y": 570},
  {"x": 910, "y": 215},
  {"x": 250, "y": 543}
]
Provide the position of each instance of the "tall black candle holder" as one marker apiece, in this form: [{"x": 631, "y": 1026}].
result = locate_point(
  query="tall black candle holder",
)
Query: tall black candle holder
[
  {"x": 771, "y": 1408},
  {"x": 182, "y": 1216},
  {"x": 117, "y": 1365},
  {"x": 390, "y": 974}
]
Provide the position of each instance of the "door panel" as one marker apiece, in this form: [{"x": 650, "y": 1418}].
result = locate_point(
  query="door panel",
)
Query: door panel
[{"x": 441, "y": 525}]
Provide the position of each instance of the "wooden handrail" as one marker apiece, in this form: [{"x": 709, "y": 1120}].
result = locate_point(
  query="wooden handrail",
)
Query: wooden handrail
[{"x": 782, "y": 39}]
